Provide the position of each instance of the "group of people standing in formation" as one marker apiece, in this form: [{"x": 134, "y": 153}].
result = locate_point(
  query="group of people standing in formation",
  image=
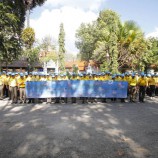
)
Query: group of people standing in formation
[{"x": 12, "y": 85}]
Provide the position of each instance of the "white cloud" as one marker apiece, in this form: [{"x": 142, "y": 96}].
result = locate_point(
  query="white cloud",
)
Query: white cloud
[
  {"x": 153, "y": 34},
  {"x": 82, "y": 4},
  {"x": 49, "y": 21}
]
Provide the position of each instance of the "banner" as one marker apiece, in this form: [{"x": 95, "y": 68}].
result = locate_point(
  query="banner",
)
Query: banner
[{"x": 76, "y": 88}]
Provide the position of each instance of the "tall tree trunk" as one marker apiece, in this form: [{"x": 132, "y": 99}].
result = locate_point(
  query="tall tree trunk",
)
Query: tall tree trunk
[{"x": 28, "y": 16}]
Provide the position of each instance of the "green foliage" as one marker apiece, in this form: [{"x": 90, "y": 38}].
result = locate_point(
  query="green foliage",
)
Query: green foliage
[
  {"x": 32, "y": 55},
  {"x": 87, "y": 36},
  {"x": 131, "y": 45},
  {"x": 115, "y": 45},
  {"x": 17, "y": 8},
  {"x": 154, "y": 51},
  {"x": 61, "y": 42},
  {"x": 28, "y": 37},
  {"x": 12, "y": 18},
  {"x": 108, "y": 24},
  {"x": 74, "y": 69},
  {"x": 10, "y": 43}
]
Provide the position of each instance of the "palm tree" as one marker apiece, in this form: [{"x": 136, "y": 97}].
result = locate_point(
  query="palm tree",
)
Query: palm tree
[{"x": 129, "y": 39}]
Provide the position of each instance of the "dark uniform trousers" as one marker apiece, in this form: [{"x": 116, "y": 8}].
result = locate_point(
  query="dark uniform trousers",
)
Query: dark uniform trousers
[
  {"x": 152, "y": 90},
  {"x": 142, "y": 90}
]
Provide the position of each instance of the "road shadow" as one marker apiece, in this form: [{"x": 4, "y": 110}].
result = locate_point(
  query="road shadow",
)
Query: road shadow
[{"x": 113, "y": 130}]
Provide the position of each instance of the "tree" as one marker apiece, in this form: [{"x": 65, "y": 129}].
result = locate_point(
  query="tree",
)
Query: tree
[
  {"x": 152, "y": 52},
  {"x": 61, "y": 42},
  {"x": 113, "y": 44},
  {"x": 131, "y": 45},
  {"x": 28, "y": 37},
  {"x": 10, "y": 42},
  {"x": 108, "y": 23},
  {"x": 86, "y": 35},
  {"x": 48, "y": 49},
  {"x": 12, "y": 18},
  {"x": 30, "y": 53},
  {"x": 47, "y": 44},
  {"x": 17, "y": 8}
]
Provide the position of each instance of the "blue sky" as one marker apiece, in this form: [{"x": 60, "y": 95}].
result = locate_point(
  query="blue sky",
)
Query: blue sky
[
  {"x": 144, "y": 12},
  {"x": 47, "y": 18}
]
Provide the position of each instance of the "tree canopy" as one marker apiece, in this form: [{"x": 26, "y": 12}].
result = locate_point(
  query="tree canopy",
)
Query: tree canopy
[
  {"x": 10, "y": 43},
  {"x": 12, "y": 18},
  {"x": 113, "y": 44},
  {"x": 61, "y": 42}
]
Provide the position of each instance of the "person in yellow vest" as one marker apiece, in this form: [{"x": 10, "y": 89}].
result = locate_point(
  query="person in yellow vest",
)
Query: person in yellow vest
[
  {"x": 127, "y": 78},
  {"x": 99, "y": 77},
  {"x": 109, "y": 76},
  {"x": 1, "y": 87},
  {"x": 132, "y": 88},
  {"x": 122, "y": 77},
  {"x": 49, "y": 77},
  {"x": 29, "y": 78},
  {"x": 142, "y": 83},
  {"x": 13, "y": 88},
  {"x": 21, "y": 86},
  {"x": 118, "y": 78},
  {"x": 152, "y": 85},
  {"x": 106, "y": 77}
]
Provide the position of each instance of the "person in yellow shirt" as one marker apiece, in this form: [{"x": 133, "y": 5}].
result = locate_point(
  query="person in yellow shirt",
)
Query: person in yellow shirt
[
  {"x": 152, "y": 85},
  {"x": 30, "y": 77},
  {"x": 21, "y": 86},
  {"x": 1, "y": 87},
  {"x": 13, "y": 88},
  {"x": 49, "y": 77},
  {"x": 132, "y": 88},
  {"x": 142, "y": 83},
  {"x": 118, "y": 78},
  {"x": 122, "y": 77}
]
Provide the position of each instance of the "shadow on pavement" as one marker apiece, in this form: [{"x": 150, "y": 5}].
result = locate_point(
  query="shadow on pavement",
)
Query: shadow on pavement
[{"x": 113, "y": 130}]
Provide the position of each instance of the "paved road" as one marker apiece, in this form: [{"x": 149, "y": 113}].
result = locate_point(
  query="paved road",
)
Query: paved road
[{"x": 110, "y": 130}]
